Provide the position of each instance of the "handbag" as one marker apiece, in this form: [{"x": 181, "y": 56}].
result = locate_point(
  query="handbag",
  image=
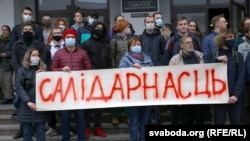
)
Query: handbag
[{"x": 16, "y": 101}]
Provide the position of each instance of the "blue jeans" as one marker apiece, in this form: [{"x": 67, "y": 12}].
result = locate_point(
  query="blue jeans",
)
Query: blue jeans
[
  {"x": 138, "y": 118},
  {"x": 65, "y": 124},
  {"x": 38, "y": 128}
]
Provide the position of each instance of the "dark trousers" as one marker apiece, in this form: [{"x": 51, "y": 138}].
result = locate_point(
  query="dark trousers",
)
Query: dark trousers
[
  {"x": 97, "y": 117},
  {"x": 52, "y": 119}
]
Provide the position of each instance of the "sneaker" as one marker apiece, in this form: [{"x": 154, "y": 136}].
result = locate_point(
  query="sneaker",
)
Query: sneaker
[
  {"x": 115, "y": 121},
  {"x": 99, "y": 132},
  {"x": 71, "y": 134},
  {"x": 87, "y": 133},
  {"x": 19, "y": 134},
  {"x": 51, "y": 132}
]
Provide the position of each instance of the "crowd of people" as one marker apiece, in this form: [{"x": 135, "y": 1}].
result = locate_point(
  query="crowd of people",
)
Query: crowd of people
[{"x": 30, "y": 48}]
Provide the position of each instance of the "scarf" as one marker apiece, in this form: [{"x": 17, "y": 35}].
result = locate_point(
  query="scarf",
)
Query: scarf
[{"x": 138, "y": 56}]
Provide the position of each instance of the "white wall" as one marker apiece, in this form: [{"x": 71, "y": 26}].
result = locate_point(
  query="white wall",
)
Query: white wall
[
  {"x": 7, "y": 13},
  {"x": 10, "y": 11}
]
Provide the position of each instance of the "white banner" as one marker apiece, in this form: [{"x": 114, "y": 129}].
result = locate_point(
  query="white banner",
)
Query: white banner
[{"x": 122, "y": 87}]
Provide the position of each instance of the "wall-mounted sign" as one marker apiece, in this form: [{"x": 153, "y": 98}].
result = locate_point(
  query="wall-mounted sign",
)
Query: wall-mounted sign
[
  {"x": 136, "y": 15},
  {"x": 139, "y": 5}
]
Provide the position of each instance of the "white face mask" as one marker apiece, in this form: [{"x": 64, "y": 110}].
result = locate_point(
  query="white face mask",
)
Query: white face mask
[
  {"x": 27, "y": 18},
  {"x": 62, "y": 27},
  {"x": 127, "y": 31},
  {"x": 150, "y": 26},
  {"x": 91, "y": 20},
  {"x": 34, "y": 61}
]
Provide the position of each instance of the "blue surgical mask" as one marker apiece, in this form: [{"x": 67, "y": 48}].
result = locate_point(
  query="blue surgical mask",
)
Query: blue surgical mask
[
  {"x": 159, "y": 22},
  {"x": 230, "y": 43},
  {"x": 70, "y": 42},
  {"x": 91, "y": 20},
  {"x": 136, "y": 49},
  {"x": 150, "y": 26}
]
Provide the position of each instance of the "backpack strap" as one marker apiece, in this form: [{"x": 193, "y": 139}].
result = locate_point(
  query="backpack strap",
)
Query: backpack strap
[
  {"x": 235, "y": 56},
  {"x": 215, "y": 53}
]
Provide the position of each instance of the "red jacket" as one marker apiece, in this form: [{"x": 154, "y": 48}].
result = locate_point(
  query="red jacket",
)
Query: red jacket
[{"x": 76, "y": 60}]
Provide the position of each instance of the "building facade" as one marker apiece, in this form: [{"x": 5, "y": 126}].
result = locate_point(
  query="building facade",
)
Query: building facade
[{"x": 134, "y": 10}]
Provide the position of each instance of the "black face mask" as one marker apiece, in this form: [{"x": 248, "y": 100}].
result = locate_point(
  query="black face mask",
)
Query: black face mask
[
  {"x": 28, "y": 36},
  {"x": 57, "y": 38},
  {"x": 99, "y": 33},
  {"x": 47, "y": 24}
]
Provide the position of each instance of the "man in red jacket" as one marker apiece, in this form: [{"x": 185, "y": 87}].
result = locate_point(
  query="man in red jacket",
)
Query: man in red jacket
[{"x": 68, "y": 59}]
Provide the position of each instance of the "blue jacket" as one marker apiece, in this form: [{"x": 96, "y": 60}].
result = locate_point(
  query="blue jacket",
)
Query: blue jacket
[
  {"x": 235, "y": 71},
  {"x": 25, "y": 114},
  {"x": 83, "y": 34},
  {"x": 208, "y": 43},
  {"x": 128, "y": 61}
]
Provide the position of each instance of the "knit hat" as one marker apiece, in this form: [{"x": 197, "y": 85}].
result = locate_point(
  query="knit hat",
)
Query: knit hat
[{"x": 69, "y": 31}]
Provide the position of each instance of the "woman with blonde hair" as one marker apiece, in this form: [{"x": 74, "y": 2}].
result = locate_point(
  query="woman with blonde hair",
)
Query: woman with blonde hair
[
  {"x": 31, "y": 120},
  {"x": 225, "y": 41}
]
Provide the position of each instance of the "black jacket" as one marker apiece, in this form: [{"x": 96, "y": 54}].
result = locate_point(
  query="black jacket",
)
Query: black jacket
[
  {"x": 25, "y": 114},
  {"x": 154, "y": 45}
]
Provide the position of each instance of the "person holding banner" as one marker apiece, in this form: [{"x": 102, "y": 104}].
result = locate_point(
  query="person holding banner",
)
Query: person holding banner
[
  {"x": 188, "y": 114},
  {"x": 118, "y": 47},
  {"x": 139, "y": 115},
  {"x": 30, "y": 119},
  {"x": 225, "y": 40},
  {"x": 99, "y": 54},
  {"x": 68, "y": 59}
]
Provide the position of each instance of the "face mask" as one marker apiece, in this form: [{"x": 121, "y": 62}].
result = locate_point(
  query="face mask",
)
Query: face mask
[
  {"x": 57, "y": 38},
  {"x": 34, "y": 61},
  {"x": 128, "y": 31},
  {"x": 27, "y": 18},
  {"x": 99, "y": 33},
  {"x": 159, "y": 22},
  {"x": 150, "y": 26},
  {"x": 47, "y": 24},
  {"x": 70, "y": 42},
  {"x": 28, "y": 36},
  {"x": 91, "y": 20},
  {"x": 136, "y": 49},
  {"x": 62, "y": 27},
  {"x": 230, "y": 43}
]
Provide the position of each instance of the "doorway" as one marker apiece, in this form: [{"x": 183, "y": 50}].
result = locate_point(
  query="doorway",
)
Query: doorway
[{"x": 218, "y": 11}]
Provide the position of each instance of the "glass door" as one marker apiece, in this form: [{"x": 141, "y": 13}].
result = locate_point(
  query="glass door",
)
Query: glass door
[{"x": 237, "y": 12}]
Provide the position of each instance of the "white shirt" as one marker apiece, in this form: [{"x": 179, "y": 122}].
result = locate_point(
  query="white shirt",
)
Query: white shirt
[{"x": 54, "y": 49}]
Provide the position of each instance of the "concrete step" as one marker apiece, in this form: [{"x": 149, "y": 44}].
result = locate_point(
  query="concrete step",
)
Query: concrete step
[
  {"x": 11, "y": 129},
  {"x": 110, "y": 137}
]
